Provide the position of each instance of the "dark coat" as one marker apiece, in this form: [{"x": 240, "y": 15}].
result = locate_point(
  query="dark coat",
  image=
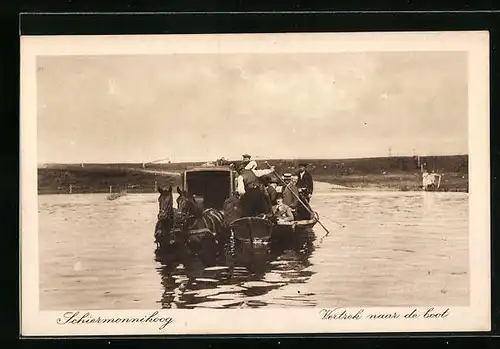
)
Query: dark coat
[
  {"x": 272, "y": 194},
  {"x": 290, "y": 195},
  {"x": 306, "y": 182}
]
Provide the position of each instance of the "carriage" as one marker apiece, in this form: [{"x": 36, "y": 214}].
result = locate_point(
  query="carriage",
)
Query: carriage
[{"x": 214, "y": 187}]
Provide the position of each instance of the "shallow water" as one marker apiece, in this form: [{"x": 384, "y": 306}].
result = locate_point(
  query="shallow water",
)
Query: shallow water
[{"x": 396, "y": 249}]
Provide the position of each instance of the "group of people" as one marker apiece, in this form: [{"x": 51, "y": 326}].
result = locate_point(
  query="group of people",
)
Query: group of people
[
  {"x": 430, "y": 181},
  {"x": 258, "y": 190}
]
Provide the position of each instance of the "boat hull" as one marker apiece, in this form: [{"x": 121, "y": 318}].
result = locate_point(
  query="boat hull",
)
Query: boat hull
[
  {"x": 294, "y": 227},
  {"x": 256, "y": 231},
  {"x": 285, "y": 235},
  {"x": 252, "y": 230}
]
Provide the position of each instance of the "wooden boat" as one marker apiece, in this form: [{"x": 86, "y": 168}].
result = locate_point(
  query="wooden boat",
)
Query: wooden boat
[
  {"x": 289, "y": 233},
  {"x": 252, "y": 230},
  {"x": 295, "y": 227}
]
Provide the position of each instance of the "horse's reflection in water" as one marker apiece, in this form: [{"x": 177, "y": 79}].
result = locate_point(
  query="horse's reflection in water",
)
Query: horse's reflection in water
[{"x": 225, "y": 282}]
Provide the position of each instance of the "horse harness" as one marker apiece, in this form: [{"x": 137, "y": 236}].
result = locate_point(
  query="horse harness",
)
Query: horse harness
[{"x": 181, "y": 224}]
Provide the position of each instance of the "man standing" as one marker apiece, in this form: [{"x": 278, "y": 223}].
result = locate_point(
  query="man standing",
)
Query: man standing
[
  {"x": 290, "y": 192},
  {"x": 305, "y": 182},
  {"x": 251, "y": 190}
]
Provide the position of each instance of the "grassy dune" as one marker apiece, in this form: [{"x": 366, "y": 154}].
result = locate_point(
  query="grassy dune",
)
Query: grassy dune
[
  {"x": 397, "y": 181},
  {"x": 391, "y": 173},
  {"x": 98, "y": 179}
]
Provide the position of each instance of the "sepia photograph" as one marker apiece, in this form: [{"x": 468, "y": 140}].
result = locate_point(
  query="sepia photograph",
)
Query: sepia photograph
[{"x": 172, "y": 183}]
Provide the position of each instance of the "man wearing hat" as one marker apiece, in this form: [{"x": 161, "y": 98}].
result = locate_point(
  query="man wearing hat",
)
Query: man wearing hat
[
  {"x": 290, "y": 192},
  {"x": 282, "y": 211},
  {"x": 305, "y": 182},
  {"x": 252, "y": 190},
  {"x": 250, "y": 164}
]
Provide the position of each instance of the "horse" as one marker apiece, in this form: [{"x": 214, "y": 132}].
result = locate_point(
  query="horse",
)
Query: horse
[
  {"x": 205, "y": 230},
  {"x": 165, "y": 235}
]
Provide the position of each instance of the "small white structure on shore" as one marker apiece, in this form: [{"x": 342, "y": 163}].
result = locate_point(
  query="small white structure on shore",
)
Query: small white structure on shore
[{"x": 430, "y": 180}]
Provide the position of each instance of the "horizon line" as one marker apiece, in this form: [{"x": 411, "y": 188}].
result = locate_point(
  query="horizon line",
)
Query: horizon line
[{"x": 253, "y": 158}]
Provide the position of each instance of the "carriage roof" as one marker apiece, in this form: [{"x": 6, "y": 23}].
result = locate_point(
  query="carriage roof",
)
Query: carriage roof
[{"x": 209, "y": 169}]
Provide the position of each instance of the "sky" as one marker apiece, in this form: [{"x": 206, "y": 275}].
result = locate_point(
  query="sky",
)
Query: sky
[{"x": 199, "y": 107}]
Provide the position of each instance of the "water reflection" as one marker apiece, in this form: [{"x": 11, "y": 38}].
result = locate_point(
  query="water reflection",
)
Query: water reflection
[{"x": 241, "y": 282}]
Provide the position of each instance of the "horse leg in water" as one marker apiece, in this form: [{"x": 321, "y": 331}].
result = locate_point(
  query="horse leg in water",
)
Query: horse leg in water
[
  {"x": 209, "y": 250},
  {"x": 200, "y": 245},
  {"x": 158, "y": 234}
]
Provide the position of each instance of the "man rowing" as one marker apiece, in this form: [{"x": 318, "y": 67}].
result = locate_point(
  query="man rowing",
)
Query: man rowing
[
  {"x": 250, "y": 164},
  {"x": 290, "y": 192},
  {"x": 291, "y": 197}
]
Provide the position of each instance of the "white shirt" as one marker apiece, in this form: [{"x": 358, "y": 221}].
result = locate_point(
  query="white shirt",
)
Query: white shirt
[
  {"x": 251, "y": 165},
  {"x": 425, "y": 179},
  {"x": 259, "y": 173}
]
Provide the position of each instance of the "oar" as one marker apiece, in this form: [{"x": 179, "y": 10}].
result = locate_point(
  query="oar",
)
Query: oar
[{"x": 298, "y": 198}]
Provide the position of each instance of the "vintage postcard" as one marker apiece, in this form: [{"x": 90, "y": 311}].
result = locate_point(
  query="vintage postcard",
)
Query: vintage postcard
[{"x": 255, "y": 183}]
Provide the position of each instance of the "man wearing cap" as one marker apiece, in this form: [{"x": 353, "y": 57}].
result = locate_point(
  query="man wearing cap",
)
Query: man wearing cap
[
  {"x": 290, "y": 192},
  {"x": 250, "y": 164},
  {"x": 252, "y": 190},
  {"x": 305, "y": 182}
]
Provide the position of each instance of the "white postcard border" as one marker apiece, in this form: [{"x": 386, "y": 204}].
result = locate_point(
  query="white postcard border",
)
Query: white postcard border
[{"x": 475, "y": 317}]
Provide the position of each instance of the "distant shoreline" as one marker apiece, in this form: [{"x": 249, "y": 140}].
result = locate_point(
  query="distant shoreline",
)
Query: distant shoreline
[
  {"x": 392, "y": 173},
  {"x": 451, "y": 182},
  {"x": 300, "y": 159}
]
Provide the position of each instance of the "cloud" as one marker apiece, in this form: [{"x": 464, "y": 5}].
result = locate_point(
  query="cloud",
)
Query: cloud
[{"x": 131, "y": 108}]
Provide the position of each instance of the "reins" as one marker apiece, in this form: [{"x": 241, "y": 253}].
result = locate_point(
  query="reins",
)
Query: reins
[{"x": 185, "y": 217}]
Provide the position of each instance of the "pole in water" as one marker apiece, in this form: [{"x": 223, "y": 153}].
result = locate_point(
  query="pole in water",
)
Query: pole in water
[
  {"x": 110, "y": 189},
  {"x": 71, "y": 188}
]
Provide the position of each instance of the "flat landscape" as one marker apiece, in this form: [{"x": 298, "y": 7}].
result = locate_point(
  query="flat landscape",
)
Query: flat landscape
[{"x": 388, "y": 173}]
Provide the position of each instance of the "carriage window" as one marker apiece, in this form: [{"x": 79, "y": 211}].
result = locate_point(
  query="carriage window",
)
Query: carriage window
[{"x": 213, "y": 186}]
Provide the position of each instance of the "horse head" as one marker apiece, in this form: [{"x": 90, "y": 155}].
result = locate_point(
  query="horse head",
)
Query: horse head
[
  {"x": 187, "y": 205},
  {"x": 191, "y": 216},
  {"x": 165, "y": 201},
  {"x": 166, "y": 218}
]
